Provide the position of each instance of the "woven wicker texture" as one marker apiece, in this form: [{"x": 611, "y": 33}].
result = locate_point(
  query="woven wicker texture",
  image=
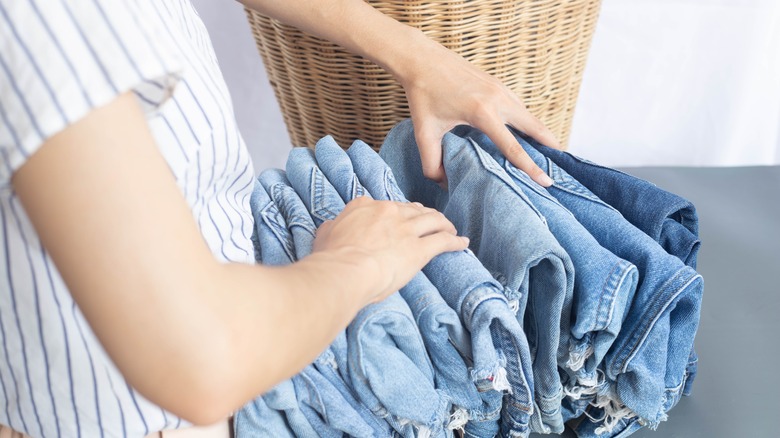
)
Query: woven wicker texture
[{"x": 537, "y": 48}]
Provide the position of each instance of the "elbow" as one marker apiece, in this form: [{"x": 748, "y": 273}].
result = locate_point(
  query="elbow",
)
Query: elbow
[
  {"x": 198, "y": 381},
  {"x": 205, "y": 410},
  {"x": 205, "y": 396}
]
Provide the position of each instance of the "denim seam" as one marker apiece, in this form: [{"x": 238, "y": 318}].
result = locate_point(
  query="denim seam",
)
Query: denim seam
[
  {"x": 614, "y": 282},
  {"x": 662, "y": 302},
  {"x": 365, "y": 321},
  {"x": 553, "y": 170},
  {"x": 516, "y": 176},
  {"x": 497, "y": 171},
  {"x": 391, "y": 187},
  {"x": 357, "y": 189},
  {"x": 291, "y": 218},
  {"x": 314, "y": 396},
  {"x": 320, "y": 209},
  {"x": 529, "y": 393},
  {"x": 272, "y": 221},
  {"x": 591, "y": 163},
  {"x": 422, "y": 304},
  {"x": 598, "y": 324},
  {"x": 477, "y": 296}
]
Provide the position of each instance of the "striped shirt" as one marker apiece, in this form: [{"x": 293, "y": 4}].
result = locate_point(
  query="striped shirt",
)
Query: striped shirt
[{"x": 59, "y": 59}]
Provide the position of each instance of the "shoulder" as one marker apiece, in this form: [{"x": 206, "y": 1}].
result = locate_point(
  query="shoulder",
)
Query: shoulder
[{"x": 59, "y": 60}]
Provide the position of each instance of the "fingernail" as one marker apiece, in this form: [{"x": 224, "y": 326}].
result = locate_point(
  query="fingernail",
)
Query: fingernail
[
  {"x": 465, "y": 239},
  {"x": 544, "y": 180}
]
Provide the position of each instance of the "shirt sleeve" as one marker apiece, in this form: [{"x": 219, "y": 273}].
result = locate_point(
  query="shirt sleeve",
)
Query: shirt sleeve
[{"x": 60, "y": 59}]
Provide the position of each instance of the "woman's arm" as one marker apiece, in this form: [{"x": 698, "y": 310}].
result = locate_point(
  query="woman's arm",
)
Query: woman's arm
[
  {"x": 110, "y": 214},
  {"x": 443, "y": 89}
]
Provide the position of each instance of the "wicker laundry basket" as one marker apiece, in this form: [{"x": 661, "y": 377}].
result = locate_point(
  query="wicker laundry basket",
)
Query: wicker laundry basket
[{"x": 536, "y": 47}]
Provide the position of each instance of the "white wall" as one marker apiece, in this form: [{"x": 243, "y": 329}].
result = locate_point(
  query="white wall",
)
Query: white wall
[
  {"x": 257, "y": 112},
  {"x": 693, "y": 82},
  {"x": 668, "y": 82}
]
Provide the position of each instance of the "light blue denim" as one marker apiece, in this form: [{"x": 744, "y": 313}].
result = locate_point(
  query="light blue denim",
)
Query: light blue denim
[
  {"x": 441, "y": 327},
  {"x": 443, "y": 333},
  {"x": 297, "y": 233},
  {"x": 646, "y": 367},
  {"x": 604, "y": 284},
  {"x": 256, "y": 419},
  {"x": 388, "y": 365},
  {"x": 318, "y": 398},
  {"x": 262, "y": 414},
  {"x": 669, "y": 219},
  {"x": 512, "y": 239},
  {"x": 501, "y": 360}
]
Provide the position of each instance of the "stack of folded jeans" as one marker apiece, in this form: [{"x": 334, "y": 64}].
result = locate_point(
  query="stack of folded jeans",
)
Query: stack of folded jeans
[{"x": 575, "y": 304}]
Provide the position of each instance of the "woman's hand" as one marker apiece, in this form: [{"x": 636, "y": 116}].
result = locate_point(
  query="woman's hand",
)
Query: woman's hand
[
  {"x": 444, "y": 90},
  {"x": 390, "y": 241}
]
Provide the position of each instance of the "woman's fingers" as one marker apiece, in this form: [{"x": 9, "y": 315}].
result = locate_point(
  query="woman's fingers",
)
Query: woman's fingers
[
  {"x": 438, "y": 243},
  {"x": 513, "y": 152},
  {"x": 431, "y": 222},
  {"x": 429, "y": 144},
  {"x": 529, "y": 124}
]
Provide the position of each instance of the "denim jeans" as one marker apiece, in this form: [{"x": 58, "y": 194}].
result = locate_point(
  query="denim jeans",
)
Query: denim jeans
[
  {"x": 257, "y": 419},
  {"x": 383, "y": 339},
  {"x": 501, "y": 360},
  {"x": 666, "y": 217},
  {"x": 300, "y": 237},
  {"x": 318, "y": 398},
  {"x": 483, "y": 365},
  {"x": 445, "y": 338},
  {"x": 604, "y": 284},
  {"x": 646, "y": 367},
  {"x": 512, "y": 239}
]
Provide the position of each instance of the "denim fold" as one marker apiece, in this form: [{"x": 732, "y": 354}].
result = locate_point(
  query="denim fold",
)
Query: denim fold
[
  {"x": 501, "y": 359},
  {"x": 650, "y": 357},
  {"x": 388, "y": 366},
  {"x": 511, "y": 238}
]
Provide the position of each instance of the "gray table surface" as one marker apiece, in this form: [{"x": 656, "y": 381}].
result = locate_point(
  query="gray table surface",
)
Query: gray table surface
[{"x": 737, "y": 389}]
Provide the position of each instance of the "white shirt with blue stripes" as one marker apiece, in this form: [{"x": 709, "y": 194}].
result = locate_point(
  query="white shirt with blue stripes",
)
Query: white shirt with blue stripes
[{"x": 59, "y": 59}]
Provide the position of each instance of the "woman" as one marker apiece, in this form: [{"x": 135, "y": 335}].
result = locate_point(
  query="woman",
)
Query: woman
[{"x": 120, "y": 315}]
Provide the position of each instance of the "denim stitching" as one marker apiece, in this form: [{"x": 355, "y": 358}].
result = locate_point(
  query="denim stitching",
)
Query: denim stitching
[
  {"x": 662, "y": 301},
  {"x": 498, "y": 172}
]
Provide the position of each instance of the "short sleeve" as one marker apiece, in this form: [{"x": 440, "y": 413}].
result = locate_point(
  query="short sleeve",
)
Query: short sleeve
[{"x": 61, "y": 59}]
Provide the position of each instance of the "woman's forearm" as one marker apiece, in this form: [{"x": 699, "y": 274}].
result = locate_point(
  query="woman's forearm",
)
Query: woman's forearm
[
  {"x": 251, "y": 327},
  {"x": 356, "y": 26},
  {"x": 123, "y": 238},
  {"x": 125, "y": 242}
]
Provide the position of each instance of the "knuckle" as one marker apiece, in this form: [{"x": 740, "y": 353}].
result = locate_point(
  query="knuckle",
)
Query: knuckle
[
  {"x": 433, "y": 173},
  {"x": 385, "y": 207}
]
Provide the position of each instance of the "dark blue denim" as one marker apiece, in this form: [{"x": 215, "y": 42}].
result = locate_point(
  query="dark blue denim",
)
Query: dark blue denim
[
  {"x": 646, "y": 366},
  {"x": 443, "y": 333},
  {"x": 512, "y": 239},
  {"x": 669, "y": 219},
  {"x": 501, "y": 359},
  {"x": 383, "y": 339},
  {"x": 666, "y": 217}
]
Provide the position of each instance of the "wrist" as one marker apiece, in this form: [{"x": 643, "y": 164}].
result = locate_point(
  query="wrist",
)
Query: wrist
[{"x": 354, "y": 276}]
